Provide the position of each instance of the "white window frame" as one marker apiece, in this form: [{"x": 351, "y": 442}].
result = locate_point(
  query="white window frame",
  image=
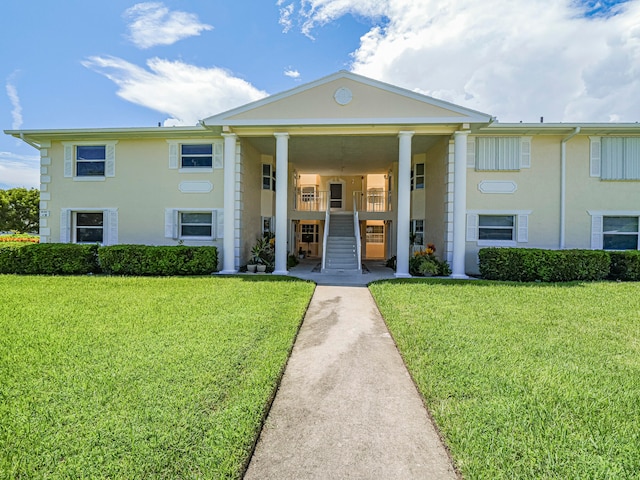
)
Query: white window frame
[
  {"x": 308, "y": 193},
  {"x": 520, "y": 227},
  {"x": 271, "y": 176},
  {"x": 181, "y": 224},
  {"x": 68, "y": 224},
  {"x": 625, "y": 166},
  {"x": 415, "y": 176},
  {"x": 489, "y": 153},
  {"x": 175, "y": 155},
  {"x": 597, "y": 225},
  {"x": 268, "y": 225},
  {"x": 418, "y": 231},
  {"x": 172, "y": 223},
  {"x": 71, "y": 162},
  {"x": 375, "y": 234}
]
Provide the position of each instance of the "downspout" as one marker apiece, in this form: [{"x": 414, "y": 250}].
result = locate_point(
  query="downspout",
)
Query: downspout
[
  {"x": 563, "y": 185},
  {"x": 29, "y": 142}
]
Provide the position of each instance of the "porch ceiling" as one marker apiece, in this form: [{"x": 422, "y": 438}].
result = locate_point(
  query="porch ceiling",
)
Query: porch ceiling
[{"x": 342, "y": 155}]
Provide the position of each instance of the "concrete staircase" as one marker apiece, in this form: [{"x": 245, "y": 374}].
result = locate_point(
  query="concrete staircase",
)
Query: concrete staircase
[{"x": 340, "y": 251}]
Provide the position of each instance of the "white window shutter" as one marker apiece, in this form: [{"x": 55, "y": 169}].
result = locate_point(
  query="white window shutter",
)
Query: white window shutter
[
  {"x": 214, "y": 223},
  {"x": 523, "y": 228},
  {"x": 218, "y": 155},
  {"x": 111, "y": 229},
  {"x": 68, "y": 160},
  {"x": 110, "y": 161},
  {"x": 596, "y": 155},
  {"x": 173, "y": 155},
  {"x": 596, "y": 232},
  {"x": 171, "y": 223},
  {"x": 525, "y": 152},
  {"x": 471, "y": 152},
  {"x": 219, "y": 223},
  {"x": 472, "y": 227},
  {"x": 65, "y": 225}
]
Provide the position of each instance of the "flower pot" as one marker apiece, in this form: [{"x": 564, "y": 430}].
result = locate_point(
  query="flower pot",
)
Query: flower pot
[
  {"x": 251, "y": 268},
  {"x": 261, "y": 268}
]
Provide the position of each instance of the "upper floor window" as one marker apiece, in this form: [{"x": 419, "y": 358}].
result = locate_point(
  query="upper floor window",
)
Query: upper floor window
[
  {"x": 89, "y": 160},
  {"x": 615, "y": 158},
  {"x": 417, "y": 177},
  {"x": 268, "y": 177},
  {"x": 499, "y": 153},
  {"x": 417, "y": 232},
  {"x": 196, "y": 156}
]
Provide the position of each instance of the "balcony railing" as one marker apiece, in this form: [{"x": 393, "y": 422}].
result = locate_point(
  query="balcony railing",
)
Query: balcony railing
[
  {"x": 315, "y": 201},
  {"x": 372, "y": 201}
]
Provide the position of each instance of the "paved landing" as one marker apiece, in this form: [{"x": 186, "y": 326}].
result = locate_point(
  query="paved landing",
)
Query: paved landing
[{"x": 346, "y": 407}]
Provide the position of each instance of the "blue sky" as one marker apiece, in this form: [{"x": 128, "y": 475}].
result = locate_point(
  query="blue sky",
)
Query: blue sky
[{"x": 106, "y": 63}]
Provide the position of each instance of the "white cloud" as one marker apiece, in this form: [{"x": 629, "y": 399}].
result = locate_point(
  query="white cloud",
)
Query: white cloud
[
  {"x": 186, "y": 92},
  {"x": 12, "y": 92},
  {"x": 152, "y": 23},
  {"x": 285, "y": 16},
  {"x": 292, "y": 73},
  {"x": 19, "y": 170},
  {"x": 515, "y": 60}
]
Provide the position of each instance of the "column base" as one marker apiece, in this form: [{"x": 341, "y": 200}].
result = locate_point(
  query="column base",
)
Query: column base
[
  {"x": 280, "y": 272},
  {"x": 402, "y": 275},
  {"x": 460, "y": 276},
  {"x": 227, "y": 272}
]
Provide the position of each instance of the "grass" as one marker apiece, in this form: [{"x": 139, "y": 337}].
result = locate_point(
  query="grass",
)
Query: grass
[
  {"x": 109, "y": 377},
  {"x": 525, "y": 381}
]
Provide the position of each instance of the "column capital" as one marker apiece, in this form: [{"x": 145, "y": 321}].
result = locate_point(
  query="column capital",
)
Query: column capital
[
  {"x": 461, "y": 133},
  {"x": 406, "y": 133},
  {"x": 281, "y": 134},
  {"x": 229, "y": 135}
]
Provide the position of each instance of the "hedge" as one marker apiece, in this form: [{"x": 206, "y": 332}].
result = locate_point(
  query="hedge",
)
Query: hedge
[
  {"x": 625, "y": 266},
  {"x": 533, "y": 264},
  {"x": 80, "y": 259},
  {"x": 149, "y": 260},
  {"x": 49, "y": 259}
]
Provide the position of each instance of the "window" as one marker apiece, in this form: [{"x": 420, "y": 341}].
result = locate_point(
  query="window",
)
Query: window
[
  {"x": 499, "y": 153},
  {"x": 498, "y": 228},
  {"x": 196, "y": 224},
  {"x": 268, "y": 177},
  {"x": 310, "y": 232},
  {"x": 196, "y": 156},
  {"x": 89, "y": 227},
  {"x": 90, "y": 160},
  {"x": 308, "y": 193},
  {"x": 417, "y": 179},
  {"x": 268, "y": 225},
  {"x": 417, "y": 232},
  {"x": 615, "y": 158},
  {"x": 620, "y": 233},
  {"x": 375, "y": 234}
]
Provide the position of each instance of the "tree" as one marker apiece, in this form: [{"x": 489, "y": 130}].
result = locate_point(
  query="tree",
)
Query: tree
[{"x": 19, "y": 210}]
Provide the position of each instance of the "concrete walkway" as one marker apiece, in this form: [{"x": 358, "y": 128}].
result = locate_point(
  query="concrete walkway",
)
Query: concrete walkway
[{"x": 346, "y": 407}]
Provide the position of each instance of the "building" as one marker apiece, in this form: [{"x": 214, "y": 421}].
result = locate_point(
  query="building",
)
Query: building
[{"x": 403, "y": 168}]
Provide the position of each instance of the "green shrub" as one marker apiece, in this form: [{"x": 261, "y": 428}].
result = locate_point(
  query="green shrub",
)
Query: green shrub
[
  {"x": 49, "y": 259},
  {"x": 533, "y": 264},
  {"x": 162, "y": 261},
  {"x": 625, "y": 266}
]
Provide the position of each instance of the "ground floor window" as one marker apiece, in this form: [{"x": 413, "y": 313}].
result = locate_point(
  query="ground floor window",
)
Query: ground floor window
[
  {"x": 417, "y": 232},
  {"x": 88, "y": 227},
  {"x": 375, "y": 234},
  {"x": 496, "y": 227},
  {"x": 196, "y": 224},
  {"x": 268, "y": 225},
  {"x": 620, "y": 233},
  {"x": 310, "y": 232}
]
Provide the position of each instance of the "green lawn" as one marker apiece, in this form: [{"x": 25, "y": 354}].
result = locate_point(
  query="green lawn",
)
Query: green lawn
[
  {"x": 109, "y": 377},
  {"x": 525, "y": 380}
]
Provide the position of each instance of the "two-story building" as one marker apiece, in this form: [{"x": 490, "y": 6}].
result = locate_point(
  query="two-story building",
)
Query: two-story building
[{"x": 380, "y": 168}]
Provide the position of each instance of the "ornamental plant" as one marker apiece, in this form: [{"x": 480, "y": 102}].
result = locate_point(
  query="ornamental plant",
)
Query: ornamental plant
[{"x": 425, "y": 263}]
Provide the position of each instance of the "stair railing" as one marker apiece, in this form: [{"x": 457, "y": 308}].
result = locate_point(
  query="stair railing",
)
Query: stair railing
[
  {"x": 356, "y": 231},
  {"x": 327, "y": 220}
]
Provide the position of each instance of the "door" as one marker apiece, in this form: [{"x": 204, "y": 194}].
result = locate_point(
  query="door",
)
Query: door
[{"x": 335, "y": 196}]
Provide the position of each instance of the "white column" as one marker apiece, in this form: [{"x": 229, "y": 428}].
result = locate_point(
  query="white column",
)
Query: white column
[
  {"x": 282, "y": 168},
  {"x": 228, "y": 241},
  {"x": 459, "y": 203},
  {"x": 404, "y": 204}
]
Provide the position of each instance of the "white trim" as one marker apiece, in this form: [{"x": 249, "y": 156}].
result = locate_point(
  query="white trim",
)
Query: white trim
[
  {"x": 615, "y": 213},
  {"x": 595, "y": 156},
  {"x": 498, "y": 186},
  {"x": 525, "y": 152},
  {"x": 89, "y": 179},
  {"x": 195, "y": 186},
  {"x": 597, "y": 238},
  {"x": 196, "y": 170},
  {"x": 501, "y": 212},
  {"x": 217, "y": 153},
  {"x": 497, "y": 243},
  {"x": 471, "y": 151},
  {"x": 109, "y": 159}
]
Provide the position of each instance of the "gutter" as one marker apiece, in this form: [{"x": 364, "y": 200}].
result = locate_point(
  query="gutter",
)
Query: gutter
[
  {"x": 29, "y": 142},
  {"x": 563, "y": 185}
]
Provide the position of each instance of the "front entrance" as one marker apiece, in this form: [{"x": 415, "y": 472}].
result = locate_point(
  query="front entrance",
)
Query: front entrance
[{"x": 336, "y": 201}]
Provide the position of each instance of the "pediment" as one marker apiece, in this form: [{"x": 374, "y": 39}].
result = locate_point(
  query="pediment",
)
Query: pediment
[{"x": 345, "y": 98}]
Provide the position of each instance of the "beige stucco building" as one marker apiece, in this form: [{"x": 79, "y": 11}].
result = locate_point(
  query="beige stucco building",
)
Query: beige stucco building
[{"x": 395, "y": 168}]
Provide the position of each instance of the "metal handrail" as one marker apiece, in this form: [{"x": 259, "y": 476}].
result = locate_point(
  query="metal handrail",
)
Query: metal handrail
[
  {"x": 370, "y": 201},
  {"x": 356, "y": 230},
  {"x": 327, "y": 219}
]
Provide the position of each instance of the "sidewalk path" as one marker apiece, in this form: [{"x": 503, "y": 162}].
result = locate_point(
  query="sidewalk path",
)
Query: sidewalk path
[{"x": 346, "y": 407}]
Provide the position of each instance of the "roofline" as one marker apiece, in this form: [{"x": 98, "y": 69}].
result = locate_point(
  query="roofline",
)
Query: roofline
[
  {"x": 559, "y": 128},
  {"x": 221, "y": 119}
]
